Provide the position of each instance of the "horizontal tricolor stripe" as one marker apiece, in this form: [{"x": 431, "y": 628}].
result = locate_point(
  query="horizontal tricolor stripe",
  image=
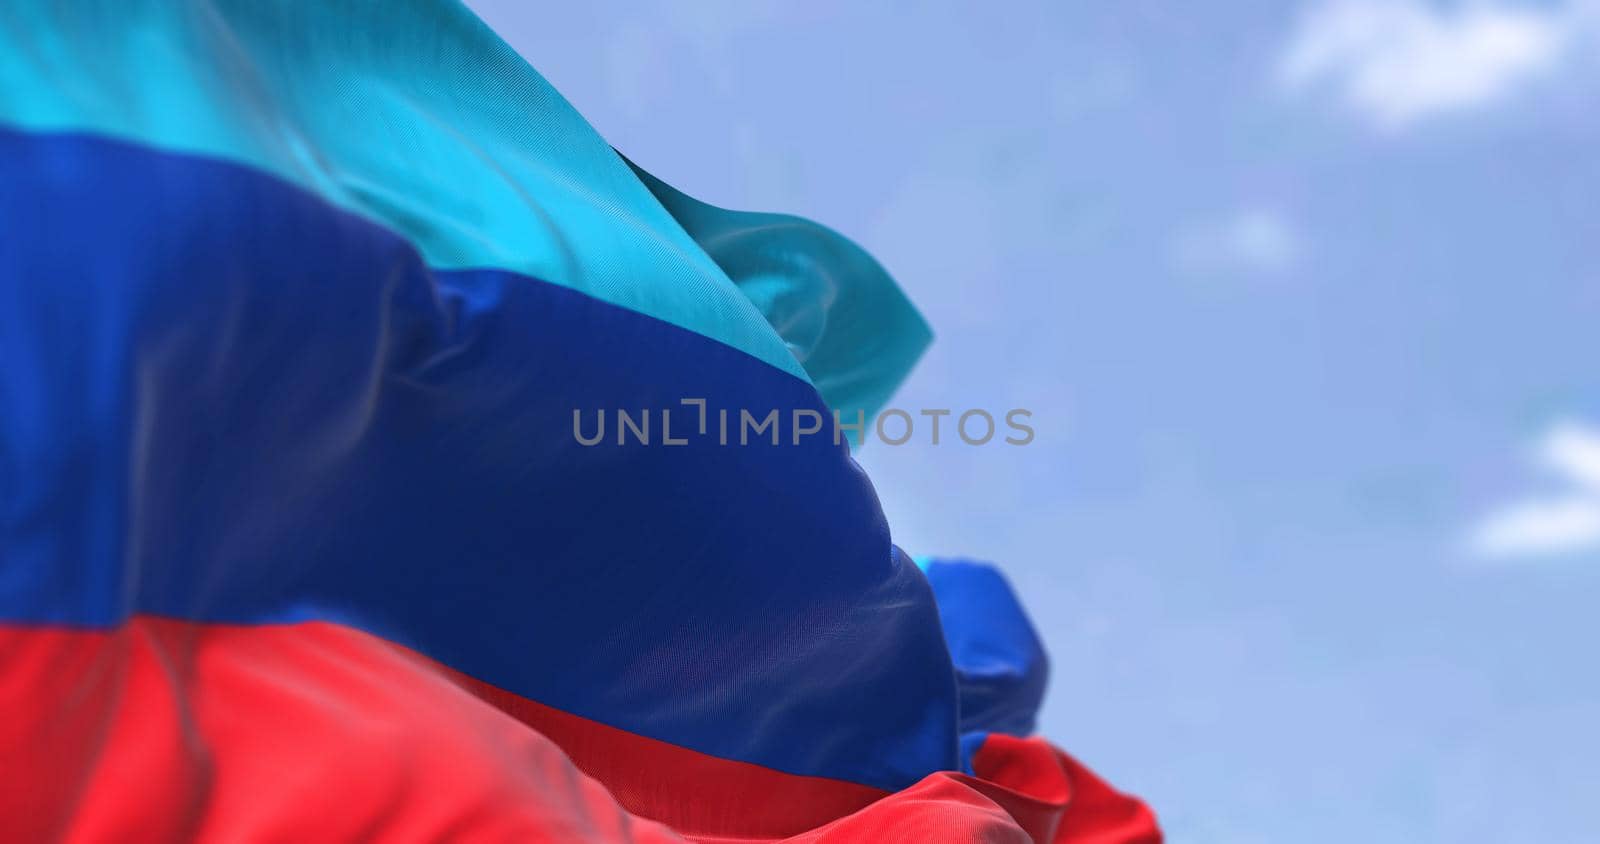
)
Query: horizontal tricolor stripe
[
  {"x": 173, "y": 730},
  {"x": 417, "y": 116},
  {"x": 226, "y": 400},
  {"x": 414, "y": 115}
]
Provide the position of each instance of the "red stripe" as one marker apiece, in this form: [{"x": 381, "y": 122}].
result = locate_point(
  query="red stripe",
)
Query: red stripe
[
  {"x": 696, "y": 794},
  {"x": 166, "y": 730},
  {"x": 1056, "y": 798},
  {"x": 171, "y": 731}
]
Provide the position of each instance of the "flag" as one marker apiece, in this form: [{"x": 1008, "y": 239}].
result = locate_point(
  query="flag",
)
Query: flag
[{"x": 308, "y": 315}]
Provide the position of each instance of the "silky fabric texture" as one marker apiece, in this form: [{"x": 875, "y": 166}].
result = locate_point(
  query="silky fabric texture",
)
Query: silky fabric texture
[
  {"x": 243, "y": 405},
  {"x": 166, "y": 731},
  {"x": 836, "y": 309},
  {"x": 415, "y": 115},
  {"x": 1001, "y": 667},
  {"x": 300, "y": 304}
]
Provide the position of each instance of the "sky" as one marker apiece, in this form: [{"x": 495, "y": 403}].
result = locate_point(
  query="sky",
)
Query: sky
[{"x": 1303, "y": 298}]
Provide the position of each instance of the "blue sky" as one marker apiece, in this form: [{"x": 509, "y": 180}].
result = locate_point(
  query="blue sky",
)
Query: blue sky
[{"x": 1304, "y": 298}]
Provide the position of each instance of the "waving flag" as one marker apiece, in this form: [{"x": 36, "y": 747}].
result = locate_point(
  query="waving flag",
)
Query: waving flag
[{"x": 300, "y": 306}]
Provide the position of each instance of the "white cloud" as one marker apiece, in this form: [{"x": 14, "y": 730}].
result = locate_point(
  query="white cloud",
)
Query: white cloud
[
  {"x": 1557, "y": 524},
  {"x": 1399, "y": 61},
  {"x": 1573, "y": 450},
  {"x": 1539, "y": 527},
  {"x": 1255, "y": 240}
]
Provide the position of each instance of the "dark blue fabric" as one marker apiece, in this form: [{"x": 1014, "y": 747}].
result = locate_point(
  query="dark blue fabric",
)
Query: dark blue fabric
[
  {"x": 1001, "y": 667},
  {"x": 223, "y": 399}
]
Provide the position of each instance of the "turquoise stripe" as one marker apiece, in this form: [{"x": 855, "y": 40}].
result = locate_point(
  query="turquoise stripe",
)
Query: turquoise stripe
[
  {"x": 836, "y": 308},
  {"x": 415, "y": 115}
]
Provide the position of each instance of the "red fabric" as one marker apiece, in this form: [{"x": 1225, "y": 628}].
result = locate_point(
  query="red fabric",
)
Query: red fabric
[
  {"x": 695, "y": 794},
  {"x": 168, "y": 731},
  {"x": 1024, "y": 791},
  {"x": 174, "y": 731},
  {"x": 1058, "y": 799}
]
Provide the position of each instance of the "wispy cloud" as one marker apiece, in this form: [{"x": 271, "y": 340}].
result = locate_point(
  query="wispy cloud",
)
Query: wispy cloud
[
  {"x": 1400, "y": 61},
  {"x": 1552, "y": 524},
  {"x": 1253, "y": 240}
]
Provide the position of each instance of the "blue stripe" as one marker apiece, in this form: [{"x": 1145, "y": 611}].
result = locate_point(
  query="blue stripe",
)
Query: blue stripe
[
  {"x": 417, "y": 116},
  {"x": 224, "y": 399},
  {"x": 1001, "y": 667},
  {"x": 412, "y": 114}
]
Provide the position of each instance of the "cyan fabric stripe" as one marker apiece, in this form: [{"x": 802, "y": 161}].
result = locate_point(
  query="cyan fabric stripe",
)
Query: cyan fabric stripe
[
  {"x": 412, "y": 114},
  {"x": 836, "y": 308},
  {"x": 224, "y": 399}
]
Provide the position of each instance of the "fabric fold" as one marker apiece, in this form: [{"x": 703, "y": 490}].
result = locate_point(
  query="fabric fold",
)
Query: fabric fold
[{"x": 301, "y": 307}]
